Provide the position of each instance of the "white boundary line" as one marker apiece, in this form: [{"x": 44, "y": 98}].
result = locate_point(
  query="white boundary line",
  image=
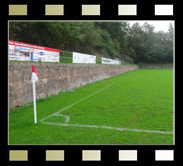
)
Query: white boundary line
[
  {"x": 108, "y": 127},
  {"x": 95, "y": 126}
]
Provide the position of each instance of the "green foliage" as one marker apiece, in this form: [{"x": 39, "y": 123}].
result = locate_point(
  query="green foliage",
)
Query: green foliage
[
  {"x": 127, "y": 59},
  {"x": 108, "y": 39}
]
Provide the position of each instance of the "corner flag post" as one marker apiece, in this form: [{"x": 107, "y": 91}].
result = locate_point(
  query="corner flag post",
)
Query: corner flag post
[
  {"x": 33, "y": 80},
  {"x": 34, "y": 100}
]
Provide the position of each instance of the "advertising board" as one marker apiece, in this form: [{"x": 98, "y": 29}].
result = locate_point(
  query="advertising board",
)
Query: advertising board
[
  {"x": 29, "y": 52},
  {"x": 110, "y": 61},
  {"x": 83, "y": 58}
]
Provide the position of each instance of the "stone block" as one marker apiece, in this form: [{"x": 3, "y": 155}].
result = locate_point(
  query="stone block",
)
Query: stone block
[
  {"x": 10, "y": 68},
  {"x": 15, "y": 96},
  {"x": 16, "y": 73},
  {"x": 11, "y": 104},
  {"x": 49, "y": 93},
  {"x": 44, "y": 81},
  {"x": 42, "y": 95},
  {"x": 17, "y": 103},
  {"x": 10, "y": 73}
]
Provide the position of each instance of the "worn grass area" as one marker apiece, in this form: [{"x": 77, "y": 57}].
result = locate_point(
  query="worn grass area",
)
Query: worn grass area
[{"x": 140, "y": 99}]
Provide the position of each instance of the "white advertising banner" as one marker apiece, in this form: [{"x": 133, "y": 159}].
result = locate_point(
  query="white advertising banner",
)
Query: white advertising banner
[
  {"x": 83, "y": 58},
  {"x": 110, "y": 61}
]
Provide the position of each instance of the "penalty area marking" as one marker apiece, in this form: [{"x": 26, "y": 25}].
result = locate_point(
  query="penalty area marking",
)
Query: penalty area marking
[{"x": 95, "y": 126}]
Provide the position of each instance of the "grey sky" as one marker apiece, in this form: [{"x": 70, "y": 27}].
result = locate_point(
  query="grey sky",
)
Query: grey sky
[{"x": 159, "y": 24}]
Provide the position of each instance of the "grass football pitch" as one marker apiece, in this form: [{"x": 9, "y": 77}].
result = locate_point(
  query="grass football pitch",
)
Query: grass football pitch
[{"x": 134, "y": 108}]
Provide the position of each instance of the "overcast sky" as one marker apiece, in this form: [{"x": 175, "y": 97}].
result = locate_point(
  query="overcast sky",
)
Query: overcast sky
[{"x": 159, "y": 25}]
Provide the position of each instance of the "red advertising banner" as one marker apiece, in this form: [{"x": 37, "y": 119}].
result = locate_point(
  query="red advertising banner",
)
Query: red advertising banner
[{"x": 30, "y": 52}]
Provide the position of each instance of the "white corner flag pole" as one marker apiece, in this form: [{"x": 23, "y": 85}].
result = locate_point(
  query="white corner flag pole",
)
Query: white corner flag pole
[
  {"x": 33, "y": 80},
  {"x": 34, "y": 100}
]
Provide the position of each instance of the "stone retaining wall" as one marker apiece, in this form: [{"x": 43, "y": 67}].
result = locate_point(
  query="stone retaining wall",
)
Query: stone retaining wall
[{"x": 54, "y": 78}]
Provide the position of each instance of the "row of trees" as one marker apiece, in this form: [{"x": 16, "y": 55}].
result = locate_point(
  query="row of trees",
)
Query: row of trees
[{"x": 108, "y": 39}]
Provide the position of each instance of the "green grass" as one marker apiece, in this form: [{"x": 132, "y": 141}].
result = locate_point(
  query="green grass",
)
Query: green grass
[
  {"x": 65, "y": 60},
  {"x": 155, "y": 64},
  {"x": 143, "y": 99}
]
